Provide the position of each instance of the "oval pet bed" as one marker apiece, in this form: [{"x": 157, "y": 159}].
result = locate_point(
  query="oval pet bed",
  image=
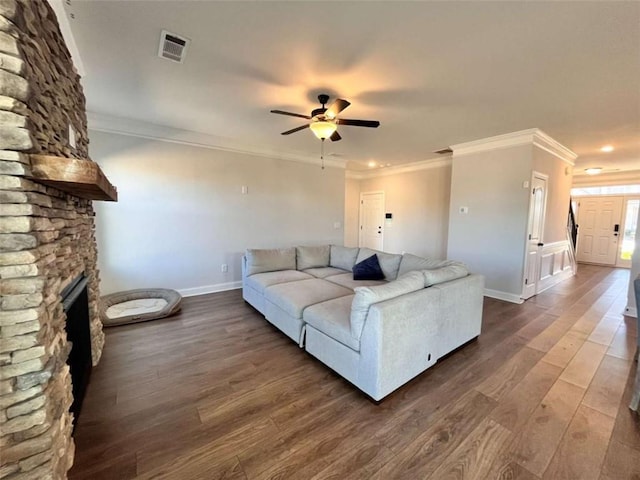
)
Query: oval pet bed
[{"x": 139, "y": 305}]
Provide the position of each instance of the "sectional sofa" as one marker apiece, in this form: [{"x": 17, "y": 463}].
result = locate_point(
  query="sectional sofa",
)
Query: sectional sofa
[{"x": 377, "y": 334}]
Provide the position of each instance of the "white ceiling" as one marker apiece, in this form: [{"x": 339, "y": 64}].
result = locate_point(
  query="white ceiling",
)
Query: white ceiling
[{"x": 434, "y": 73}]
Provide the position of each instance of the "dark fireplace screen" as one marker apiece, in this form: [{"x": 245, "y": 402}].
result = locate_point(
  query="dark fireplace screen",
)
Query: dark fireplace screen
[{"x": 75, "y": 302}]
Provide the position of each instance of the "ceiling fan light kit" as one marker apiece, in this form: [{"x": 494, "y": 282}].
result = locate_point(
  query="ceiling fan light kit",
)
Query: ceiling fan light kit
[{"x": 323, "y": 129}]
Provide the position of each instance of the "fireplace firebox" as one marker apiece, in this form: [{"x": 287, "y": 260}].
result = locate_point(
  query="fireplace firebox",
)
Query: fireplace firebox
[{"x": 75, "y": 301}]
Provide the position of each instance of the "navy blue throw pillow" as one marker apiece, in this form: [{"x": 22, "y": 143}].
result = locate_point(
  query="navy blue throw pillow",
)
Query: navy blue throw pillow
[{"x": 368, "y": 269}]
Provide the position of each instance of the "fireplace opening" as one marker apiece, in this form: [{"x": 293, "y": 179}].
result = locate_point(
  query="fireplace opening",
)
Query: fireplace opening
[{"x": 75, "y": 301}]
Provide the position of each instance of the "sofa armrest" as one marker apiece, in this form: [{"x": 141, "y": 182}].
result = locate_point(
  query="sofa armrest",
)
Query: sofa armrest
[
  {"x": 405, "y": 335},
  {"x": 399, "y": 340}
]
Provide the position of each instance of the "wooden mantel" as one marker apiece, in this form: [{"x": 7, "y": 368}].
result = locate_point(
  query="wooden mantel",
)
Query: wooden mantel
[{"x": 82, "y": 178}]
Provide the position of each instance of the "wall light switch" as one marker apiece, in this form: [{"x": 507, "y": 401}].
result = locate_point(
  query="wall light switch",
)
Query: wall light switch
[
  {"x": 245, "y": 189},
  {"x": 525, "y": 184},
  {"x": 337, "y": 225},
  {"x": 464, "y": 210},
  {"x": 72, "y": 136},
  {"x": 224, "y": 268}
]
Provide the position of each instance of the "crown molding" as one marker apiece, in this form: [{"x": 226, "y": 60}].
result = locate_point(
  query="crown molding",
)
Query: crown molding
[
  {"x": 548, "y": 144},
  {"x": 399, "y": 169},
  {"x": 533, "y": 136},
  {"x": 65, "y": 28},
  {"x": 628, "y": 177},
  {"x": 100, "y": 122}
]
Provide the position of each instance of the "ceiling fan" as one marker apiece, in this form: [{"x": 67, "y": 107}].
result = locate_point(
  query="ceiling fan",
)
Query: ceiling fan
[{"x": 324, "y": 121}]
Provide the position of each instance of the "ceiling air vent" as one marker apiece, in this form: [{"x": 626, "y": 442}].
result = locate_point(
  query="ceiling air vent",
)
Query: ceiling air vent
[{"x": 173, "y": 47}]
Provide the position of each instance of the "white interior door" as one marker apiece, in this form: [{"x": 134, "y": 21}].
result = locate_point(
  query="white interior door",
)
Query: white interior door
[
  {"x": 599, "y": 230},
  {"x": 371, "y": 220},
  {"x": 537, "y": 207}
]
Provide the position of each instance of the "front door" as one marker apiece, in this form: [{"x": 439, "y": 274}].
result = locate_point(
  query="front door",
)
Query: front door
[
  {"x": 371, "y": 220},
  {"x": 537, "y": 205},
  {"x": 599, "y": 231}
]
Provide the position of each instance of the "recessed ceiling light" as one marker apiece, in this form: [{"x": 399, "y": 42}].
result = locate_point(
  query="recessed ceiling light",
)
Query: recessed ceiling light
[
  {"x": 371, "y": 164},
  {"x": 607, "y": 148},
  {"x": 593, "y": 171}
]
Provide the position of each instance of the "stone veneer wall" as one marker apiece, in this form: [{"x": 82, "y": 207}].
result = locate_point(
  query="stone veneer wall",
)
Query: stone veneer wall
[{"x": 46, "y": 240}]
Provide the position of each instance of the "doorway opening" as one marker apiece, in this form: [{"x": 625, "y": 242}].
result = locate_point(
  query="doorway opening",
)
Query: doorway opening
[{"x": 607, "y": 224}]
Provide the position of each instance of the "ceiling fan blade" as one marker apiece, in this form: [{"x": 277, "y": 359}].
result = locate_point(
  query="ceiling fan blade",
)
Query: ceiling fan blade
[
  {"x": 336, "y": 107},
  {"x": 281, "y": 112},
  {"x": 335, "y": 136},
  {"x": 294, "y": 130},
  {"x": 358, "y": 123}
]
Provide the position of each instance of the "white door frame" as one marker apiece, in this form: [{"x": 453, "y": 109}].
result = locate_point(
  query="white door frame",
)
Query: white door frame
[
  {"x": 530, "y": 279},
  {"x": 360, "y": 216},
  {"x": 625, "y": 203}
]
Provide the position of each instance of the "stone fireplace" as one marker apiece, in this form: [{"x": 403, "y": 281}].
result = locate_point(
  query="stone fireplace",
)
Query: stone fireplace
[{"x": 47, "y": 239}]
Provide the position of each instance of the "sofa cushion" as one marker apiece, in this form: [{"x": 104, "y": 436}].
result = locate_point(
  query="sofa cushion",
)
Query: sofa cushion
[
  {"x": 260, "y": 281},
  {"x": 332, "y": 319},
  {"x": 368, "y": 269},
  {"x": 343, "y": 257},
  {"x": 389, "y": 262},
  {"x": 324, "y": 272},
  {"x": 294, "y": 297},
  {"x": 366, "y": 296},
  {"x": 270, "y": 260},
  {"x": 444, "y": 274},
  {"x": 346, "y": 280},
  {"x": 312, "y": 257},
  {"x": 410, "y": 262}
]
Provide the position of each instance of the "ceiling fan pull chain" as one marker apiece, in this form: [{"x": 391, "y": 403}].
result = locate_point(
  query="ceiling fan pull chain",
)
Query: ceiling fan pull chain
[{"x": 322, "y": 153}]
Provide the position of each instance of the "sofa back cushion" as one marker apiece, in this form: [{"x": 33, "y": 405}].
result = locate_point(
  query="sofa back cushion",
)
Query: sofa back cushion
[
  {"x": 452, "y": 271},
  {"x": 389, "y": 262},
  {"x": 270, "y": 260},
  {"x": 367, "y": 296},
  {"x": 409, "y": 263},
  {"x": 343, "y": 257},
  {"x": 312, "y": 257}
]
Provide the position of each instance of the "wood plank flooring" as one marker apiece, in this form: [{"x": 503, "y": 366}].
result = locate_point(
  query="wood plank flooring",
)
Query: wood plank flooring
[{"x": 217, "y": 392}]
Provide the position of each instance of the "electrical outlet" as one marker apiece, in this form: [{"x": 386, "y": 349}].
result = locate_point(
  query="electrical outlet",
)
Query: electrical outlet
[{"x": 224, "y": 268}]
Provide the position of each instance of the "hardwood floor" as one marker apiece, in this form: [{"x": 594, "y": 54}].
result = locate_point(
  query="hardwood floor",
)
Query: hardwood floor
[{"x": 217, "y": 392}]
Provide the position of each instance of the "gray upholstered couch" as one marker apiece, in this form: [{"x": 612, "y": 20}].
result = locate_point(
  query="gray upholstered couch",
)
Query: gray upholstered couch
[{"x": 378, "y": 334}]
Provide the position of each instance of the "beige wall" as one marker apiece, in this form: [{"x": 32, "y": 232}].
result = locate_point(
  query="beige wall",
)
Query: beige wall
[
  {"x": 419, "y": 202},
  {"x": 558, "y": 193},
  {"x": 181, "y": 213},
  {"x": 351, "y": 212},
  {"x": 491, "y": 237}
]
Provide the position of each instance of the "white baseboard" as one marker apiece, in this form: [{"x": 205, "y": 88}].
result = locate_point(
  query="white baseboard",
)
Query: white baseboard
[
  {"x": 507, "y": 297},
  {"x": 631, "y": 312},
  {"x": 218, "y": 287}
]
